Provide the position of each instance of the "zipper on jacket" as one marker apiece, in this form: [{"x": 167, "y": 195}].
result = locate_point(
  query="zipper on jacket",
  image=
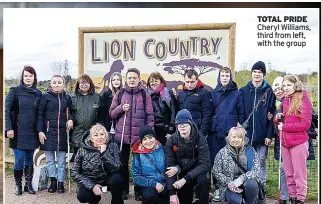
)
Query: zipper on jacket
[
  {"x": 58, "y": 122},
  {"x": 253, "y": 116},
  {"x": 48, "y": 126}
]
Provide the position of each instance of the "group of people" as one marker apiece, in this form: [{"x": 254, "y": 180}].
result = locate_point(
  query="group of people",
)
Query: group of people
[{"x": 179, "y": 144}]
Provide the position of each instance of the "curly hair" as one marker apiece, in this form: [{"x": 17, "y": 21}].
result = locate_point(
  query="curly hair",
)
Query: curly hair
[{"x": 85, "y": 78}]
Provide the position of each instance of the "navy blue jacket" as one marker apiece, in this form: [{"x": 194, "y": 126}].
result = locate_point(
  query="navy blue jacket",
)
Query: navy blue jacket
[
  {"x": 259, "y": 126},
  {"x": 199, "y": 103},
  {"x": 229, "y": 111},
  {"x": 52, "y": 119},
  {"x": 21, "y": 116}
]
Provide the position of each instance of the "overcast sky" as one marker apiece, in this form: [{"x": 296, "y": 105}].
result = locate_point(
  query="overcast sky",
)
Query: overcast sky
[{"x": 40, "y": 36}]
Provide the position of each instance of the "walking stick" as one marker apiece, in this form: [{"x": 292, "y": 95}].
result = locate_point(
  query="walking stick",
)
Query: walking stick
[
  {"x": 280, "y": 151},
  {"x": 280, "y": 164},
  {"x": 68, "y": 152},
  {"x": 123, "y": 130},
  {"x": 68, "y": 161}
]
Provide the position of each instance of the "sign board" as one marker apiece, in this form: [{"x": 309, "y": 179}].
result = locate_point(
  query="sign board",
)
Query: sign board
[{"x": 168, "y": 49}]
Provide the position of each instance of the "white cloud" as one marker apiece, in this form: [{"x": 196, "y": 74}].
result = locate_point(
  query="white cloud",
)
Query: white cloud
[{"x": 41, "y": 36}]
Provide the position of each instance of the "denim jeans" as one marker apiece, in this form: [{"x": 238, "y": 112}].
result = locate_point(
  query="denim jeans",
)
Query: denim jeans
[
  {"x": 250, "y": 193},
  {"x": 51, "y": 164},
  {"x": 22, "y": 158},
  {"x": 262, "y": 152},
  {"x": 284, "y": 194}
]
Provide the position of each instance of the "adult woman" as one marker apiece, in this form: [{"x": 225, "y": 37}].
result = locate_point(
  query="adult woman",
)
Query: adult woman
[
  {"x": 115, "y": 84},
  {"x": 236, "y": 168},
  {"x": 97, "y": 164},
  {"x": 148, "y": 167},
  {"x": 296, "y": 120},
  {"x": 164, "y": 105},
  {"x": 51, "y": 126},
  {"x": 85, "y": 110},
  {"x": 279, "y": 94},
  {"x": 20, "y": 126}
]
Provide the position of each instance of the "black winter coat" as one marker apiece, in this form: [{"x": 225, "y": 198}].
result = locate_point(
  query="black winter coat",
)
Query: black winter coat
[
  {"x": 165, "y": 115},
  {"x": 229, "y": 112},
  {"x": 192, "y": 156},
  {"x": 52, "y": 119},
  {"x": 92, "y": 167},
  {"x": 259, "y": 127},
  {"x": 106, "y": 99},
  {"x": 199, "y": 103},
  {"x": 21, "y": 116}
]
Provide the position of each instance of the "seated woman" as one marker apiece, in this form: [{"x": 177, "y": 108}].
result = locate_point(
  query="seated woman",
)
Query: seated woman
[
  {"x": 148, "y": 167},
  {"x": 97, "y": 164},
  {"x": 236, "y": 168}
]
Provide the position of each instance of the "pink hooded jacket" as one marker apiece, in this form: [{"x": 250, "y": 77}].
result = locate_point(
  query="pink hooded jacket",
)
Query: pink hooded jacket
[{"x": 295, "y": 127}]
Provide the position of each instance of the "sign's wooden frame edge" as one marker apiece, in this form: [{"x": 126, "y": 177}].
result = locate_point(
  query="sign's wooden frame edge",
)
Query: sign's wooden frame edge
[{"x": 149, "y": 28}]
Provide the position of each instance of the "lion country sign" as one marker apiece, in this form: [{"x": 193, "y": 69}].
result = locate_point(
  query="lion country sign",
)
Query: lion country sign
[{"x": 168, "y": 49}]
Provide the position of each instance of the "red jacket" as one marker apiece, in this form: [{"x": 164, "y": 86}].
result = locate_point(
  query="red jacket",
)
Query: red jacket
[{"x": 295, "y": 127}]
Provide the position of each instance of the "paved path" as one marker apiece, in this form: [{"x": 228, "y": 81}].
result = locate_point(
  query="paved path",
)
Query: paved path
[{"x": 43, "y": 197}]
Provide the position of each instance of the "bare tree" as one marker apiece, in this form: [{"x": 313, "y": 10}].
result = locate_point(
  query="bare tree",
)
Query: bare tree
[{"x": 62, "y": 68}]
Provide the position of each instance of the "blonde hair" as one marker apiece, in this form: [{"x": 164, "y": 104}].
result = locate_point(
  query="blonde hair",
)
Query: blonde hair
[
  {"x": 110, "y": 85},
  {"x": 296, "y": 98},
  {"x": 96, "y": 128},
  {"x": 239, "y": 132}
]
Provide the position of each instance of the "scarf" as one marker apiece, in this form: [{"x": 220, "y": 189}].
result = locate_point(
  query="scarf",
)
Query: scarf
[{"x": 163, "y": 92}]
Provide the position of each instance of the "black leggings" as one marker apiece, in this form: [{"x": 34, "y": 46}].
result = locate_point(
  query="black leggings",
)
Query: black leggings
[
  {"x": 185, "y": 194},
  {"x": 124, "y": 156},
  {"x": 114, "y": 183}
]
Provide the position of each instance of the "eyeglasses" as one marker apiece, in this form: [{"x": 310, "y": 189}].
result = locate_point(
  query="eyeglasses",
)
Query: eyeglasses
[{"x": 182, "y": 125}]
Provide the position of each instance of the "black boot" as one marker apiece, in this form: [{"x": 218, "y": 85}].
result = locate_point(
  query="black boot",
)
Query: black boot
[
  {"x": 53, "y": 185},
  {"x": 138, "y": 197},
  {"x": 125, "y": 195},
  {"x": 60, "y": 188},
  {"x": 292, "y": 200},
  {"x": 28, "y": 179},
  {"x": 283, "y": 202},
  {"x": 299, "y": 202},
  {"x": 18, "y": 179}
]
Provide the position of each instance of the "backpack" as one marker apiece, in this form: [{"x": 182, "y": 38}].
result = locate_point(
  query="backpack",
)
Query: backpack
[
  {"x": 143, "y": 93},
  {"x": 314, "y": 124}
]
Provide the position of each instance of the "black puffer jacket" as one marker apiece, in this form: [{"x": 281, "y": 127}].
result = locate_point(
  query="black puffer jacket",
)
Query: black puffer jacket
[
  {"x": 92, "y": 167},
  {"x": 192, "y": 156},
  {"x": 200, "y": 104},
  {"x": 52, "y": 119},
  {"x": 165, "y": 115}
]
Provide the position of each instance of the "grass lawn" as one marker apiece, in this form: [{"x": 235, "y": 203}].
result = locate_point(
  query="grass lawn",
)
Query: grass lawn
[{"x": 273, "y": 172}]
